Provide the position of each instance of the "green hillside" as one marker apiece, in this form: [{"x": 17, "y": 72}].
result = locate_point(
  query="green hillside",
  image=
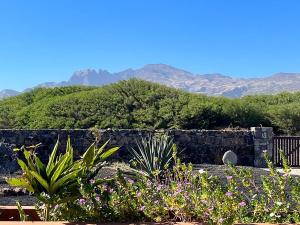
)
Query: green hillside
[{"x": 141, "y": 104}]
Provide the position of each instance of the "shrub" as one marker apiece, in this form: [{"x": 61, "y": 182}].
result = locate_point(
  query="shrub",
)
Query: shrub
[
  {"x": 187, "y": 195},
  {"x": 57, "y": 182}
]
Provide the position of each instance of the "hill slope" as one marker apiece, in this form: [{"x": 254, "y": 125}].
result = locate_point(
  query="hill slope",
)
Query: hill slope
[{"x": 141, "y": 104}]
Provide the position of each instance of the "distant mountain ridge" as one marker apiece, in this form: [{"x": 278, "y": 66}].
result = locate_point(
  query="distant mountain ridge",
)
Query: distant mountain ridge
[
  {"x": 210, "y": 84},
  {"x": 8, "y": 93}
]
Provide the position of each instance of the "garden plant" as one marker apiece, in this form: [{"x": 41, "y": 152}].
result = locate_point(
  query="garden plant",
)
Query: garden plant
[
  {"x": 56, "y": 182},
  {"x": 178, "y": 194}
]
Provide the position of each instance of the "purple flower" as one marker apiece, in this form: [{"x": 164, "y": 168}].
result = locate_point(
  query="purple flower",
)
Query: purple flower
[
  {"x": 138, "y": 194},
  {"x": 206, "y": 214},
  {"x": 110, "y": 190},
  {"x": 130, "y": 181},
  {"x": 97, "y": 198},
  {"x": 177, "y": 192},
  {"x": 159, "y": 187},
  {"x": 242, "y": 203},
  {"x": 228, "y": 193},
  {"x": 142, "y": 208},
  {"x": 82, "y": 201},
  {"x": 204, "y": 201},
  {"x": 92, "y": 181},
  {"x": 229, "y": 177},
  {"x": 56, "y": 207}
]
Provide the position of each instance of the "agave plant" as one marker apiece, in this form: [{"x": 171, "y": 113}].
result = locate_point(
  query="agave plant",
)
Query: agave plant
[
  {"x": 57, "y": 182},
  {"x": 153, "y": 155}
]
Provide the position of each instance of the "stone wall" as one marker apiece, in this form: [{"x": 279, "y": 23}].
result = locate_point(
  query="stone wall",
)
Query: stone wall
[
  {"x": 199, "y": 146},
  {"x": 263, "y": 143}
]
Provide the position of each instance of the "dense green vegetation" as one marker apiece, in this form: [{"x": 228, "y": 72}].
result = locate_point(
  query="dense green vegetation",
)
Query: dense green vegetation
[{"x": 141, "y": 104}]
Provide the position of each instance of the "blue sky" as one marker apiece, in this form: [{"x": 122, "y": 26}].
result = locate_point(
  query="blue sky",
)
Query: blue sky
[{"x": 48, "y": 40}]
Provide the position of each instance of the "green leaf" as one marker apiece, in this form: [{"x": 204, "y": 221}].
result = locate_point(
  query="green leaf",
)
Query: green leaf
[
  {"x": 30, "y": 163},
  {"x": 108, "y": 153},
  {"x": 52, "y": 158},
  {"x": 23, "y": 166},
  {"x": 20, "y": 182},
  {"x": 100, "y": 150},
  {"x": 41, "y": 167},
  {"x": 88, "y": 156},
  {"x": 41, "y": 180},
  {"x": 61, "y": 165},
  {"x": 58, "y": 162},
  {"x": 22, "y": 214},
  {"x": 64, "y": 179}
]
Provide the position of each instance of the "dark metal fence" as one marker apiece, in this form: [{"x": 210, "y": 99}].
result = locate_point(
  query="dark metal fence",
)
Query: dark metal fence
[{"x": 290, "y": 145}]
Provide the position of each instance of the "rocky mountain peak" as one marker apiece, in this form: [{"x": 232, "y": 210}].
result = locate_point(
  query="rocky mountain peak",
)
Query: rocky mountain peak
[{"x": 215, "y": 84}]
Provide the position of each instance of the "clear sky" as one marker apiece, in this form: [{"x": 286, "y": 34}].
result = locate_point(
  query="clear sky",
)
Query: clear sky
[{"x": 47, "y": 40}]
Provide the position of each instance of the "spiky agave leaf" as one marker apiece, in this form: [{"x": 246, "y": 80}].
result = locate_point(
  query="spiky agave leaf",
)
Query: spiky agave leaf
[{"x": 153, "y": 154}]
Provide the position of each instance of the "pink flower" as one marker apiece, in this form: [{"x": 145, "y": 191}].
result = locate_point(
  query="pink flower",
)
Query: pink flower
[
  {"x": 242, "y": 203},
  {"x": 229, "y": 177},
  {"x": 110, "y": 190},
  {"x": 206, "y": 214},
  {"x": 92, "y": 181},
  {"x": 142, "y": 208},
  {"x": 177, "y": 192},
  {"x": 97, "y": 198},
  {"x": 220, "y": 220},
  {"x": 148, "y": 183},
  {"x": 130, "y": 181},
  {"x": 138, "y": 194},
  {"x": 285, "y": 174},
  {"x": 228, "y": 193},
  {"x": 82, "y": 201}
]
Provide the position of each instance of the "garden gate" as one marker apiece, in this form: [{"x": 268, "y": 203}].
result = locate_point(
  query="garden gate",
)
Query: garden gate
[{"x": 290, "y": 145}]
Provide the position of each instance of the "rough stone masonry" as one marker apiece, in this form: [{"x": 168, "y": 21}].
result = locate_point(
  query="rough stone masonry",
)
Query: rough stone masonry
[{"x": 197, "y": 146}]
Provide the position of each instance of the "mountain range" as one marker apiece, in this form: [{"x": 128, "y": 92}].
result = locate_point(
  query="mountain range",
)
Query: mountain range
[{"x": 211, "y": 84}]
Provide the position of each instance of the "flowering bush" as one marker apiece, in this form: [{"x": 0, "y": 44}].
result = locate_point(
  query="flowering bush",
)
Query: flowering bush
[
  {"x": 187, "y": 195},
  {"x": 277, "y": 200},
  {"x": 179, "y": 194}
]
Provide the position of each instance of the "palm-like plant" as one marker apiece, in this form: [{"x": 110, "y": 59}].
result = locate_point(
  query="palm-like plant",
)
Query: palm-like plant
[
  {"x": 153, "y": 155},
  {"x": 57, "y": 182}
]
